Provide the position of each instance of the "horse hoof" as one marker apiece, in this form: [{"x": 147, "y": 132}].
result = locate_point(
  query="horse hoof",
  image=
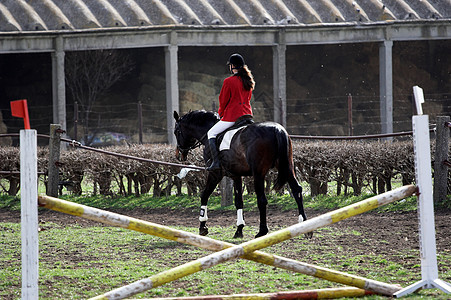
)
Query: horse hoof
[
  {"x": 262, "y": 232},
  {"x": 239, "y": 232},
  {"x": 308, "y": 235},
  {"x": 203, "y": 231},
  {"x": 238, "y": 235}
]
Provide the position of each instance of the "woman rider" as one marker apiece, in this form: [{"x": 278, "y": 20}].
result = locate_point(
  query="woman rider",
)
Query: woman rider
[{"x": 234, "y": 102}]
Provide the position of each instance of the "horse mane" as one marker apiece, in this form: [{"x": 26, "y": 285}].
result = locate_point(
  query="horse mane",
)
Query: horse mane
[{"x": 200, "y": 117}]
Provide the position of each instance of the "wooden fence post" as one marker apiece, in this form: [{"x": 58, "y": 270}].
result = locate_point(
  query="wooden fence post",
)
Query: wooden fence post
[
  {"x": 441, "y": 156},
  {"x": 226, "y": 191},
  {"x": 76, "y": 121},
  {"x": 140, "y": 122},
  {"x": 54, "y": 156},
  {"x": 351, "y": 130}
]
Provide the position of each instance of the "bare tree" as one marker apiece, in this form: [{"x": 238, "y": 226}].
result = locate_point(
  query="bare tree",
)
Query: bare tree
[{"x": 89, "y": 74}]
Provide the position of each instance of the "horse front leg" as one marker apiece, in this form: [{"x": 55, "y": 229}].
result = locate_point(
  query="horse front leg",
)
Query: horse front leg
[
  {"x": 212, "y": 181},
  {"x": 262, "y": 202},
  {"x": 296, "y": 191},
  {"x": 238, "y": 199}
]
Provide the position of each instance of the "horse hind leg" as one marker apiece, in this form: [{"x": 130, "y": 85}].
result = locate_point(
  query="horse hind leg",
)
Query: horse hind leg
[
  {"x": 296, "y": 190},
  {"x": 261, "y": 203}
]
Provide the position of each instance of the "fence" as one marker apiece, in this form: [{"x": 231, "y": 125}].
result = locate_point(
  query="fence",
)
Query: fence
[
  {"x": 146, "y": 122},
  {"x": 372, "y": 165}
]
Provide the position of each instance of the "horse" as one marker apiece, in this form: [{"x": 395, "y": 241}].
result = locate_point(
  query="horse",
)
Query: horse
[{"x": 254, "y": 150}]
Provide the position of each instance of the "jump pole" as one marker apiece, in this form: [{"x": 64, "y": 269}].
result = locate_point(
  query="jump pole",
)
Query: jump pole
[
  {"x": 329, "y": 293},
  {"x": 180, "y": 236},
  {"x": 423, "y": 174},
  {"x": 259, "y": 243}
]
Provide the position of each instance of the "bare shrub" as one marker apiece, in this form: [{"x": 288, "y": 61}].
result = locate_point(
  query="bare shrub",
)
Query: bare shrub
[{"x": 351, "y": 164}]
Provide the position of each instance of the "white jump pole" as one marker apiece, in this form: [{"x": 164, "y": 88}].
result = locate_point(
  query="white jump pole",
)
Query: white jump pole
[
  {"x": 423, "y": 174},
  {"x": 29, "y": 213}
]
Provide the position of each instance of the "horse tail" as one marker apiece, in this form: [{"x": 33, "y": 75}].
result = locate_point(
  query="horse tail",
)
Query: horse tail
[{"x": 285, "y": 158}]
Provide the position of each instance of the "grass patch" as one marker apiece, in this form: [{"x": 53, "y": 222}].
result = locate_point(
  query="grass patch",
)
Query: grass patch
[
  {"x": 284, "y": 202},
  {"x": 79, "y": 263}
]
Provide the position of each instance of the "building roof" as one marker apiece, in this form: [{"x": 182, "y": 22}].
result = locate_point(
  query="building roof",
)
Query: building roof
[
  {"x": 28, "y": 26},
  {"x": 27, "y": 16}
]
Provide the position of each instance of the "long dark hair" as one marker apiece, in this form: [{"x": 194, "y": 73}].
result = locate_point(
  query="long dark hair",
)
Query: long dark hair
[{"x": 246, "y": 77}]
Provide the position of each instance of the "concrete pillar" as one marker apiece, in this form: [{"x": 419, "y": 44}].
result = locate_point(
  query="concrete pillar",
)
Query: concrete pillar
[
  {"x": 386, "y": 86},
  {"x": 440, "y": 157},
  {"x": 280, "y": 80},
  {"x": 59, "y": 84},
  {"x": 172, "y": 88}
]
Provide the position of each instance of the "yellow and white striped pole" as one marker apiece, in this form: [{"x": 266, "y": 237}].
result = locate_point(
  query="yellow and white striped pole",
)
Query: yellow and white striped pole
[
  {"x": 211, "y": 244},
  {"x": 262, "y": 242}
]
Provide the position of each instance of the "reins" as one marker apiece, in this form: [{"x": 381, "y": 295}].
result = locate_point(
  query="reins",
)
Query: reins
[{"x": 197, "y": 144}]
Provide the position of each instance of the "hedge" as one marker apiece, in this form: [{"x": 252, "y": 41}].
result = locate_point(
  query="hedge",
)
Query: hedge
[{"x": 351, "y": 164}]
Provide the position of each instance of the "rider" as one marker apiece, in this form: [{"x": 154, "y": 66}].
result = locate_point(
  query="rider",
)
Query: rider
[{"x": 234, "y": 102}]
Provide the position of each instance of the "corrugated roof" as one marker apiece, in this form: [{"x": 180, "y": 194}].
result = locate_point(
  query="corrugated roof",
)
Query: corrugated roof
[{"x": 68, "y": 15}]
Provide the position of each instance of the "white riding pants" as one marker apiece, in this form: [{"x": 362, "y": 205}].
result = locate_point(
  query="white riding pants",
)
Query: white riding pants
[{"x": 218, "y": 128}]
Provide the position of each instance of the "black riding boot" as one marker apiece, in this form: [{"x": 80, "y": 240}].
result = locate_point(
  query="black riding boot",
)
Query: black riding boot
[{"x": 214, "y": 155}]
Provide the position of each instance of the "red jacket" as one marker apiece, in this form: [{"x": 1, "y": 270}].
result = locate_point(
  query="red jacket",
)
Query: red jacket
[{"x": 234, "y": 100}]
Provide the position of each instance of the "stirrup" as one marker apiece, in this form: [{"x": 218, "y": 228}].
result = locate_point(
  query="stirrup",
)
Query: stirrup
[{"x": 215, "y": 165}]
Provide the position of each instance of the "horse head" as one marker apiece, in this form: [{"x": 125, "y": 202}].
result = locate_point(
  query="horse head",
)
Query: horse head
[
  {"x": 181, "y": 151},
  {"x": 186, "y": 140},
  {"x": 191, "y": 130}
]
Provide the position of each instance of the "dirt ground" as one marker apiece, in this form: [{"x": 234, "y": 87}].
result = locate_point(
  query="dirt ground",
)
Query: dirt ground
[{"x": 387, "y": 231}]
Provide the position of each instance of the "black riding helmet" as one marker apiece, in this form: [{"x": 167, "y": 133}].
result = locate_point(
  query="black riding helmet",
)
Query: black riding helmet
[{"x": 237, "y": 60}]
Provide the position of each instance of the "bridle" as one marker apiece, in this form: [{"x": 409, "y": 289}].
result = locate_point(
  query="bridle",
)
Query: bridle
[{"x": 196, "y": 144}]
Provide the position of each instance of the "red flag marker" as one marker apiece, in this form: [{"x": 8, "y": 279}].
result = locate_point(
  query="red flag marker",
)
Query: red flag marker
[{"x": 19, "y": 109}]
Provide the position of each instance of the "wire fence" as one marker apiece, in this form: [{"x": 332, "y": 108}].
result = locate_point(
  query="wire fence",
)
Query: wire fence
[{"x": 146, "y": 122}]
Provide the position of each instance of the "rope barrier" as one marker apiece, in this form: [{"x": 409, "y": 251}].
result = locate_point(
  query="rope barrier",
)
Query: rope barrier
[
  {"x": 76, "y": 144},
  {"x": 16, "y": 173},
  {"x": 354, "y": 137},
  {"x": 293, "y": 136},
  {"x": 17, "y": 135}
]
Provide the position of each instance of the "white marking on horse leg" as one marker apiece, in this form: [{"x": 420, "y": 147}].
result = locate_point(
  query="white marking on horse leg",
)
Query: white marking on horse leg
[
  {"x": 203, "y": 213},
  {"x": 301, "y": 219},
  {"x": 239, "y": 217}
]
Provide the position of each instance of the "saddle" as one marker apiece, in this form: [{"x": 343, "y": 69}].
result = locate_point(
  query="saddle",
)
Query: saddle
[{"x": 244, "y": 120}]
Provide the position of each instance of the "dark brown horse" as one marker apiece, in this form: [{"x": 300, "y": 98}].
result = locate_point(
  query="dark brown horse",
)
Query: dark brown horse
[{"x": 254, "y": 150}]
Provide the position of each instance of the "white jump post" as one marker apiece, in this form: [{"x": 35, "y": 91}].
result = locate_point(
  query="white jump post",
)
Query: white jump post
[
  {"x": 423, "y": 174},
  {"x": 28, "y": 202},
  {"x": 29, "y": 213}
]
